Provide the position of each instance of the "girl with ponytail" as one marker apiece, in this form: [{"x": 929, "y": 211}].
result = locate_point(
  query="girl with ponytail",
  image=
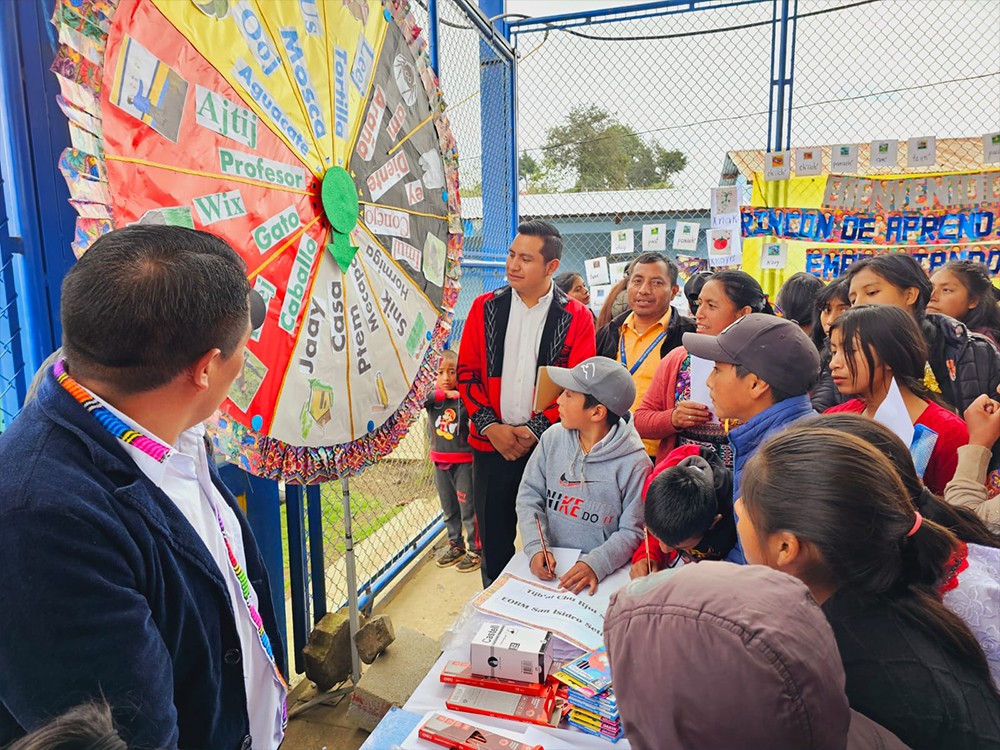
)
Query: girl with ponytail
[
  {"x": 829, "y": 509},
  {"x": 971, "y": 587}
]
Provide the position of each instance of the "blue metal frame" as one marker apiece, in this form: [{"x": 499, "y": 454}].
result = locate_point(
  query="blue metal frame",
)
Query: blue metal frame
[
  {"x": 295, "y": 522},
  {"x": 633, "y": 12},
  {"x": 317, "y": 558}
]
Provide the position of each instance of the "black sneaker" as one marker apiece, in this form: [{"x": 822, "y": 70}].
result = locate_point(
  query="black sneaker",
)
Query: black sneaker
[
  {"x": 450, "y": 556},
  {"x": 469, "y": 563}
]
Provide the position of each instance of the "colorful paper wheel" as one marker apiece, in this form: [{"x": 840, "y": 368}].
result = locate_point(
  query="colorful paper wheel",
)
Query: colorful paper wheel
[{"x": 309, "y": 134}]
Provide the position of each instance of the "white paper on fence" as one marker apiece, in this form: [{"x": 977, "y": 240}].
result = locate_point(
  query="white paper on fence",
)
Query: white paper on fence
[
  {"x": 617, "y": 271},
  {"x": 725, "y": 212},
  {"x": 893, "y": 414},
  {"x": 686, "y": 235},
  {"x": 844, "y": 158},
  {"x": 654, "y": 238},
  {"x": 921, "y": 152},
  {"x": 723, "y": 247},
  {"x": 883, "y": 153},
  {"x": 777, "y": 165},
  {"x": 622, "y": 241},
  {"x": 808, "y": 162},
  {"x": 413, "y": 741},
  {"x": 597, "y": 271},
  {"x": 991, "y": 148},
  {"x": 774, "y": 255},
  {"x": 598, "y": 294},
  {"x": 700, "y": 370}
]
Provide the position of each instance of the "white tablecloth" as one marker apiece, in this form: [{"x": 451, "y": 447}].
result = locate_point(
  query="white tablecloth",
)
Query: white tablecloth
[{"x": 431, "y": 694}]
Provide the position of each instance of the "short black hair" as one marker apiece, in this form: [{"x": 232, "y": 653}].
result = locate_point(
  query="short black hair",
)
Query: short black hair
[
  {"x": 552, "y": 244},
  {"x": 144, "y": 302},
  {"x": 589, "y": 402},
  {"x": 566, "y": 281},
  {"x": 797, "y": 298},
  {"x": 776, "y": 396},
  {"x": 680, "y": 504},
  {"x": 652, "y": 257}
]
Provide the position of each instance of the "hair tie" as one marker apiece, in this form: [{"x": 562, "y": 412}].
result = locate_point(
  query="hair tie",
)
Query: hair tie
[{"x": 919, "y": 519}]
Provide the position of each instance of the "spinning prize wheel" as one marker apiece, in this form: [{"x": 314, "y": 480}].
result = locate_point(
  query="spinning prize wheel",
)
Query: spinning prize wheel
[{"x": 310, "y": 135}]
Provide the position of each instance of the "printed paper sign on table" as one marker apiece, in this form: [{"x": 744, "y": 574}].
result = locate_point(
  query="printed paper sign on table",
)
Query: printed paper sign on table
[
  {"x": 597, "y": 271},
  {"x": 883, "y": 153},
  {"x": 622, "y": 241},
  {"x": 808, "y": 162},
  {"x": 774, "y": 255},
  {"x": 654, "y": 238},
  {"x": 844, "y": 159},
  {"x": 991, "y": 148},
  {"x": 686, "y": 236},
  {"x": 921, "y": 152},
  {"x": 777, "y": 166},
  {"x": 723, "y": 247}
]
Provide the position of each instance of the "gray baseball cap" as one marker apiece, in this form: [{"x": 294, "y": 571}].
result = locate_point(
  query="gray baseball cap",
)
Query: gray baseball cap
[
  {"x": 774, "y": 349},
  {"x": 605, "y": 379}
]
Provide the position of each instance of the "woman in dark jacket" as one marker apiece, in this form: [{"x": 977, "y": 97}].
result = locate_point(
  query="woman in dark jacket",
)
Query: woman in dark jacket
[
  {"x": 831, "y": 302},
  {"x": 831, "y": 510}
]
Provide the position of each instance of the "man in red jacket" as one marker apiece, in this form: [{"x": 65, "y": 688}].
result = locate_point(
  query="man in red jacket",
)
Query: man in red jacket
[{"x": 509, "y": 334}]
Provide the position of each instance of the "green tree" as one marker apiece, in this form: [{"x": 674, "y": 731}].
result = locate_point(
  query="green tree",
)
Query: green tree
[
  {"x": 597, "y": 152},
  {"x": 534, "y": 175}
]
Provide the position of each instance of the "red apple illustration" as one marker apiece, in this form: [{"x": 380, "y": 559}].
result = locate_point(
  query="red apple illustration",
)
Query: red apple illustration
[{"x": 721, "y": 242}]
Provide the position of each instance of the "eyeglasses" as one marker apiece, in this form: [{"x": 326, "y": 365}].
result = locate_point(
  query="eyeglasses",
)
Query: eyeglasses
[{"x": 691, "y": 555}]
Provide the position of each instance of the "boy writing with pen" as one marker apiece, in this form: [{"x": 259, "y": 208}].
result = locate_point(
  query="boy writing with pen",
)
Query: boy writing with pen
[{"x": 582, "y": 486}]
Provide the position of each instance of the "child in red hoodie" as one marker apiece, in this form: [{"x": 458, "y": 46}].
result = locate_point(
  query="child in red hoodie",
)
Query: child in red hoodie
[{"x": 688, "y": 511}]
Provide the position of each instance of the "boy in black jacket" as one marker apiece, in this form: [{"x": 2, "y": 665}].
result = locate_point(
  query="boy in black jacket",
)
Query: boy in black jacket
[{"x": 448, "y": 433}]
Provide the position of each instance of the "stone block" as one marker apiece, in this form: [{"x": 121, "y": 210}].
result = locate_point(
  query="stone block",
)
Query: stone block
[
  {"x": 392, "y": 678},
  {"x": 328, "y": 652},
  {"x": 374, "y": 637}
]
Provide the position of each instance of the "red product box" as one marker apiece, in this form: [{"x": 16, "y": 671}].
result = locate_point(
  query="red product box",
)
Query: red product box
[
  {"x": 460, "y": 673},
  {"x": 457, "y": 735},
  {"x": 527, "y": 708}
]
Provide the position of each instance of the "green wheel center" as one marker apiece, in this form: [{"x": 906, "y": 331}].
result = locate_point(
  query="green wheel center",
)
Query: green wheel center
[{"x": 340, "y": 200}]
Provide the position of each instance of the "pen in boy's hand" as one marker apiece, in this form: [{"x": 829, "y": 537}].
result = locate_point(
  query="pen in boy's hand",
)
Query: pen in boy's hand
[{"x": 545, "y": 550}]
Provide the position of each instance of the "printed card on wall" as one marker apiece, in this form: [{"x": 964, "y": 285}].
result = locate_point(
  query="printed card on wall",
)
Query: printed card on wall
[
  {"x": 686, "y": 236},
  {"x": 883, "y": 153},
  {"x": 844, "y": 159},
  {"x": 774, "y": 255},
  {"x": 777, "y": 165},
  {"x": 654, "y": 238},
  {"x": 808, "y": 162},
  {"x": 598, "y": 296},
  {"x": 597, "y": 271},
  {"x": 618, "y": 271},
  {"x": 622, "y": 241},
  {"x": 725, "y": 207},
  {"x": 921, "y": 152},
  {"x": 723, "y": 248},
  {"x": 991, "y": 148}
]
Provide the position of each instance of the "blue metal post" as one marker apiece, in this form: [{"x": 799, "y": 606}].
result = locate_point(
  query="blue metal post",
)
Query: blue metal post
[
  {"x": 498, "y": 141},
  {"x": 262, "y": 503},
  {"x": 782, "y": 49},
  {"x": 432, "y": 35},
  {"x": 317, "y": 558},
  {"x": 295, "y": 519}
]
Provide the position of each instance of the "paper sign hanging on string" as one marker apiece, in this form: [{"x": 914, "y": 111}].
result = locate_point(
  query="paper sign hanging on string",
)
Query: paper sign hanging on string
[
  {"x": 597, "y": 271},
  {"x": 618, "y": 271},
  {"x": 622, "y": 241},
  {"x": 598, "y": 296},
  {"x": 991, "y": 148},
  {"x": 725, "y": 207},
  {"x": 883, "y": 153},
  {"x": 777, "y": 166},
  {"x": 844, "y": 159},
  {"x": 774, "y": 255},
  {"x": 723, "y": 248},
  {"x": 654, "y": 238},
  {"x": 921, "y": 152},
  {"x": 808, "y": 162},
  {"x": 686, "y": 236}
]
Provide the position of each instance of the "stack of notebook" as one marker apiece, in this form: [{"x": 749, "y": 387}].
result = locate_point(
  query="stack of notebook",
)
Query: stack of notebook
[{"x": 593, "y": 708}]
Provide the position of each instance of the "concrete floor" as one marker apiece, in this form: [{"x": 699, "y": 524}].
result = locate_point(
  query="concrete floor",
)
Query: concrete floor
[{"x": 427, "y": 599}]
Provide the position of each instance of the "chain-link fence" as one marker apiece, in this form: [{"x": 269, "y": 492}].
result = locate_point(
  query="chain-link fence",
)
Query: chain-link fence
[{"x": 626, "y": 120}]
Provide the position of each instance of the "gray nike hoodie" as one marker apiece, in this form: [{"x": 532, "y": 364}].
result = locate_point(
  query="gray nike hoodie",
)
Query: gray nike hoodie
[{"x": 587, "y": 501}]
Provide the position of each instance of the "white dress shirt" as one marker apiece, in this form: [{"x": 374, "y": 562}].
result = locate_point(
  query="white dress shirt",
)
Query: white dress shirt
[
  {"x": 520, "y": 357},
  {"x": 185, "y": 478}
]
